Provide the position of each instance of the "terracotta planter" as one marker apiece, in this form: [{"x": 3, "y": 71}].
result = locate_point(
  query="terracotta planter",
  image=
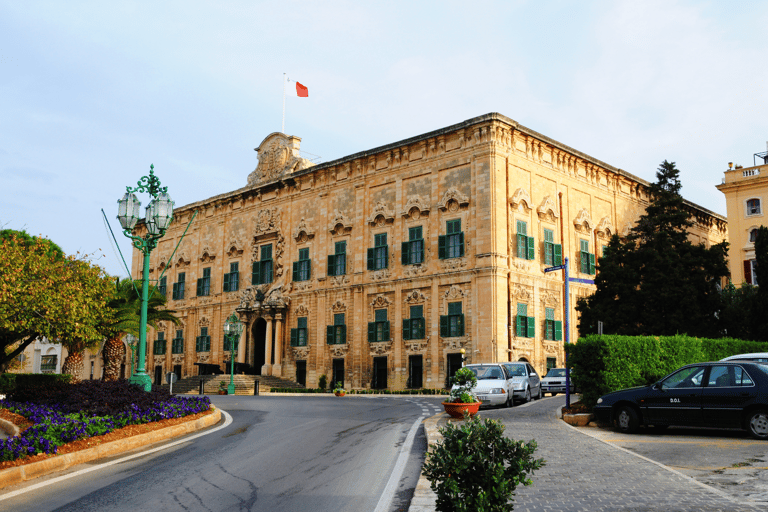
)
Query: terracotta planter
[
  {"x": 339, "y": 393},
  {"x": 456, "y": 410},
  {"x": 578, "y": 420},
  {"x": 222, "y": 391}
]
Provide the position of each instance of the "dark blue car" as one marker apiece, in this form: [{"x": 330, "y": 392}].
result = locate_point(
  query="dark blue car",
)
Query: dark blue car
[{"x": 719, "y": 394}]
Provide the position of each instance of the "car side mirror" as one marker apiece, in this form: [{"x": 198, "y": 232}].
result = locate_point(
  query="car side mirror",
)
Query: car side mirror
[
  {"x": 657, "y": 386},
  {"x": 533, "y": 374}
]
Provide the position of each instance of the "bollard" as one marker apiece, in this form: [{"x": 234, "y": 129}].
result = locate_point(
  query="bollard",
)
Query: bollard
[
  {"x": 202, "y": 387},
  {"x": 256, "y": 388}
]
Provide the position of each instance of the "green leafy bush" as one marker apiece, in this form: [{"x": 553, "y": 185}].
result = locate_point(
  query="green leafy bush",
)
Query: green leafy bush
[
  {"x": 465, "y": 380},
  {"x": 322, "y": 382},
  {"x": 9, "y": 382},
  {"x": 476, "y": 469}
]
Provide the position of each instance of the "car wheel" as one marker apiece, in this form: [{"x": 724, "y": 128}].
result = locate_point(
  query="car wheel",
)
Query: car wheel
[
  {"x": 510, "y": 400},
  {"x": 757, "y": 424},
  {"x": 553, "y": 394},
  {"x": 538, "y": 397},
  {"x": 527, "y": 395},
  {"x": 627, "y": 420}
]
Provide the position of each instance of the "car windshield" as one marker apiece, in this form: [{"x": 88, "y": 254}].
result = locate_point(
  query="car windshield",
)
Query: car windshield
[
  {"x": 763, "y": 367},
  {"x": 556, "y": 372},
  {"x": 487, "y": 372},
  {"x": 516, "y": 370}
]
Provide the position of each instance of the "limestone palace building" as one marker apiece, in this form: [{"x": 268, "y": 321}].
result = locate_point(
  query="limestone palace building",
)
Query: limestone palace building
[{"x": 377, "y": 268}]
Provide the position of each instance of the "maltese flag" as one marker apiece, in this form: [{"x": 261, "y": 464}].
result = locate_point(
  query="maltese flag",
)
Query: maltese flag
[{"x": 301, "y": 91}]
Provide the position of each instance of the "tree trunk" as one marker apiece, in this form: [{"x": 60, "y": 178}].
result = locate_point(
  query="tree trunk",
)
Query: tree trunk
[
  {"x": 113, "y": 354},
  {"x": 73, "y": 365}
]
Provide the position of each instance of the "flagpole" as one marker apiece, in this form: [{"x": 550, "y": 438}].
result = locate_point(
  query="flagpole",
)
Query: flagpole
[{"x": 282, "y": 129}]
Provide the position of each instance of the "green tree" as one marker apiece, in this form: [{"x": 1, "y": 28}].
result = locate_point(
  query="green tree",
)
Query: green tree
[
  {"x": 44, "y": 293},
  {"x": 759, "y": 323},
  {"x": 656, "y": 281}
]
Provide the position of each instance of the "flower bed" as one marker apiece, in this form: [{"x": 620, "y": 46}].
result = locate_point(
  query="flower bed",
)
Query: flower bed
[{"x": 104, "y": 407}]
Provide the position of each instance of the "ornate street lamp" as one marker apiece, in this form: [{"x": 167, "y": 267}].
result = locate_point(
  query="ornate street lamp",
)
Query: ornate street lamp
[
  {"x": 159, "y": 216},
  {"x": 233, "y": 328}
]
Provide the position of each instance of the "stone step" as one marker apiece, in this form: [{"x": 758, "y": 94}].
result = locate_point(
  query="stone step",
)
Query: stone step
[{"x": 244, "y": 384}]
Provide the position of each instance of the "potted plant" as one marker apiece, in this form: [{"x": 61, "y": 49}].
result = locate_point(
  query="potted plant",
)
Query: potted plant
[
  {"x": 222, "y": 388},
  {"x": 475, "y": 467},
  {"x": 462, "y": 397},
  {"x": 339, "y": 389}
]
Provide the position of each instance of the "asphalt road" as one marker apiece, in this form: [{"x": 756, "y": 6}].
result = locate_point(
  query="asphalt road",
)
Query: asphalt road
[{"x": 279, "y": 454}]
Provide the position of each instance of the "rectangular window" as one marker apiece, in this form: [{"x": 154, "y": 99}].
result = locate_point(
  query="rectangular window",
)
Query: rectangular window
[
  {"x": 551, "y": 363},
  {"x": 553, "y": 253},
  {"x": 203, "y": 342},
  {"x": 48, "y": 363},
  {"x": 525, "y": 248},
  {"x": 525, "y": 326},
  {"x": 178, "y": 286},
  {"x": 452, "y": 324},
  {"x": 413, "y": 327},
  {"x": 337, "y": 262},
  {"x": 204, "y": 283},
  {"x": 378, "y": 330},
  {"x": 177, "y": 344},
  {"x": 586, "y": 258},
  {"x": 753, "y": 207},
  {"x": 553, "y": 329},
  {"x": 162, "y": 285},
  {"x": 262, "y": 269},
  {"x": 750, "y": 271},
  {"x": 299, "y": 334},
  {"x": 159, "y": 348},
  {"x": 451, "y": 245},
  {"x": 232, "y": 279},
  {"x": 302, "y": 269},
  {"x": 336, "y": 334},
  {"x": 378, "y": 255},
  {"x": 413, "y": 250}
]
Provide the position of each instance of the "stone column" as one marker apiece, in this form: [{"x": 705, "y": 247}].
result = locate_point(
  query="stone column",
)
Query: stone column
[
  {"x": 250, "y": 339},
  {"x": 267, "y": 368},
  {"x": 277, "y": 369}
]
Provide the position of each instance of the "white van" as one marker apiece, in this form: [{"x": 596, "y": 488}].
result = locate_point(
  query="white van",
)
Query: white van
[{"x": 757, "y": 357}]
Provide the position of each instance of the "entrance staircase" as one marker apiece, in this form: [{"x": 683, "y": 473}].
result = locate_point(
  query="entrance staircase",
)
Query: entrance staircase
[{"x": 244, "y": 384}]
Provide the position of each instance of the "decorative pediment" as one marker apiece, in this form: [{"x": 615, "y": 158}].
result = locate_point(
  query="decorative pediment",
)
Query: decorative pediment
[
  {"x": 340, "y": 224},
  {"x": 415, "y": 347},
  {"x": 267, "y": 221},
  {"x": 454, "y": 292},
  {"x": 182, "y": 260},
  {"x": 300, "y": 353},
  {"x": 415, "y": 297},
  {"x": 521, "y": 198},
  {"x": 338, "y": 307},
  {"x": 547, "y": 209},
  {"x": 550, "y": 298},
  {"x": 339, "y": 350},
  {"x": 380, "y": 302},
  {"x": 235, "y": 248},
  {"x": 415, "y": 207},
  {"x": 381, "y": 214},
  {"x": 204, "y": 321},
  {"x": 303, "y": 232},
  {"x": 626, "y": 230},
  {"x": 203, "y": 358},
  {"x": 605, "y": 229},
  {"x": 583, "y": 222},
  {"x": 207, "y": 255},
  {"x": 380, "y": 348},
  {"x": 522, "y": 293},
  {"x": 453, "y": 199},
  {"x": 301, "y": 310},
  {"x": 279, "y": 155}
]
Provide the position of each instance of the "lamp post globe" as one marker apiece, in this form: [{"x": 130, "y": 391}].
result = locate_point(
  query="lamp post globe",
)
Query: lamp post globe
[
  {"x": 233, "y": 328},
  {"x": 159, "y": 215}
]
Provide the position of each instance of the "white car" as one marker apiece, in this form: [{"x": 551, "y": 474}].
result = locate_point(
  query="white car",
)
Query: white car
[
  {"x": 554, "y": 382},
  {"x": 757, "y": 357},
  {"x": 493, "y": 386}
]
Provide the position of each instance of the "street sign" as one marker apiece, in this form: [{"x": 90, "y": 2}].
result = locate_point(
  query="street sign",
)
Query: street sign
[
  {"x": 582, "y": 281},
  {"x": 552, "y": 269},
  {"x": 171, "y": 377}
]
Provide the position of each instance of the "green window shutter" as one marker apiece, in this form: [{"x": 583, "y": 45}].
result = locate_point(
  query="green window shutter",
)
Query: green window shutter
[
  {"x": 519, "y": 325},
  {"x": 386, "y": 256},
  {"x": 371, "y": 260},
  {"x": 294, "y": 337},
  {"x": 531, "y": 327},
  {"x": 331, "y": 265},
  {"x": 404, "y": 252},
  {"x": 329, "y": 332},
  {"x": 460, "y": 321},
  {"x": 521, "y": 243},
  {"x": 255, "y": 272},
  {"x": 386, "y": 331},
  {"x": 558, "y": 330},
  {"x": 342, "y": 332},
  {"x": 461, "y": 244},
  {"x": 441, "y": 247},
  {"x": 226, "y": 282},
  {"x": 309, "y": 269},
  {"x": 531, "y": 248},
  {"x": 558, "y": 254},
  {"x": 295, "y": 270},
  {"x": 199, "y": 287},
  {"x": 406, "y": 329},
  {"x": 444, "y": 326},
  {"x": 371, "y": 332},
  {"x": 591, "y": 263}
]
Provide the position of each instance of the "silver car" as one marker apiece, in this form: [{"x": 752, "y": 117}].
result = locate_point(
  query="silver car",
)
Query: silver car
[
  {"x": 554, "y": 382},
  {"x": 524, "y": 381}
]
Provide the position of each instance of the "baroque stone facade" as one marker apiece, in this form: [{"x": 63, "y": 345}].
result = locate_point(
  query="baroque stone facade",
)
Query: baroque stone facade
[{"x": 444, "y": 239}]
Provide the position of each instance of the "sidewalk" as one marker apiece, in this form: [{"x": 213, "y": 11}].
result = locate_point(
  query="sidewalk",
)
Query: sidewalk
[{"x": 583, "y": 473}]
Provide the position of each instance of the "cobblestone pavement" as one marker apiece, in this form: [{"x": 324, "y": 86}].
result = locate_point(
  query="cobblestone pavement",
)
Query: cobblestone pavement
[{"x": 583, "y": 473}]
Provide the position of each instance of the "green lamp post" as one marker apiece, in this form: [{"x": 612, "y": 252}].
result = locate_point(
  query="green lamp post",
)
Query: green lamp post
[
  {"x": 159, "y": 215},
  {"x": 130, "y": 339},
  {"x": 233, "y": 328}
]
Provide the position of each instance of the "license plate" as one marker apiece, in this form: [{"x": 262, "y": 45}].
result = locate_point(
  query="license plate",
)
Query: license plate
[{"x": 482, "y": 398}]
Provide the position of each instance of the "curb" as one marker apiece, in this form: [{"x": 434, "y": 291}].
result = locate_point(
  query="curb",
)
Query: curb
[
  {"x": 424, "y": 498},
  {"x": 19, "y": 474},
  {"x": 9, "y": 428}
]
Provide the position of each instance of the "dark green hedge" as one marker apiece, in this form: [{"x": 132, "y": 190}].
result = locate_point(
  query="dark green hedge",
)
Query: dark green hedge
[
  {"x": 425, "y": 391},
  {"x": 602, "y": 364},
  {"x": 9, "y": 382}
]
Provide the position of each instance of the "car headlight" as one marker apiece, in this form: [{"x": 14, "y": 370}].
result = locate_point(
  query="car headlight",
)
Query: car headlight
[
  {"x": 497, "y": 391},
  {"x": 520, "y": 385},
  {"x": 599, "y": 400}
]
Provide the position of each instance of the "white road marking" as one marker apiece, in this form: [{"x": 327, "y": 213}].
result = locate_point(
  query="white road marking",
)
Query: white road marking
[
  {"x": 385, "y": 502},
  {"x": 227, "y": 422}
]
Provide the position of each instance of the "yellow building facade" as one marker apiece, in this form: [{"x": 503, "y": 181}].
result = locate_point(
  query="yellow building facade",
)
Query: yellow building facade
[
  {"x": 378, "y": 268},
  {"x": 746, "y": 191}
]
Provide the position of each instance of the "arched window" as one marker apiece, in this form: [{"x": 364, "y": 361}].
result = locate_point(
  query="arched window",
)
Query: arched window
[
  {"x": 752, "y": 235},
  {"x": 753, "y": 207}
]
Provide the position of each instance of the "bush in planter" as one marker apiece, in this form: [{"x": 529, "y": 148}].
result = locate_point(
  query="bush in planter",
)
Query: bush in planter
[
  {"x": 322, "y": 382},
  {"x": 475, "y": 468},
  {"x": 466, "y": 380}
]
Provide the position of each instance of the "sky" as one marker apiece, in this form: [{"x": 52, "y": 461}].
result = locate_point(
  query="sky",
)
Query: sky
[{"x": 92, "y": 93}]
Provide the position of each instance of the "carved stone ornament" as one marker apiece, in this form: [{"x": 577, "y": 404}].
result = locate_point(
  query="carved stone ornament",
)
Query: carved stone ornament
[
  {"x": 204, "y": 321},
  {"x": 521, "y": 198},
  {"x": 453, "y": 195},
  {"x": 301, "y": 310},
  {"x": 303, "y": 286},
  {"x": 415, "y": 297},
  {"x": 416, "y": 346},
  {"x": 522, "y": 293},
  {"x": 267, "y": 220},
  {"x": 159, "y": 360},
  {"x": 454, "y": 292},
  {"x": 453, "y": 263},
  {"x": 523, "y": 344},
  {"x": 583, "y": 222},
  {"x": 381, "y": 212},
  {"x": 278, "y": 156},
  {"x": 300, "y": 353},
  {"x": 276, "y": 299},
  {"x": 235, "y": 248},
  {"x": 203, "y": 358},
  {"x": 627, "y": 229},
  {"x": 338, "y": 307},
  {"x": 183, "y": 260},
  {"x": 415, "y": 270},
  {"x": 207, "y": 255},
  {"x": 303, "y": 232},
  {"x": 547, "y": 209},
  {"x": 550, "y": 298},
  {"x": 340, "y": 224},
  {"x": 178, "y": 359},
  {"x": 456, "y": 343},
  {"x": 380, "y": 348},
  {"x": 415, "y": 207},
  {"x": 339, "y": 350},
  {"x": 378, "y": 275},
  {"x": 380, "y": 302},
  {"x": 605, "y": 228},
  {"x": 551, "y": 347},
  {"x": 203, "y": 300},
  {"x": 338, "y": 280}
]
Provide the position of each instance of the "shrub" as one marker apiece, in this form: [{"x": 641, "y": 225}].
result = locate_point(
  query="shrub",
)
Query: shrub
[
  {"x": 322, "y": 382},
  {"x": 475, "y": 468}
]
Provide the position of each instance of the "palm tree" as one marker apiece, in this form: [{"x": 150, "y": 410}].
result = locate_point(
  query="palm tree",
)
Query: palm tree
[{"x": 126, "y": 305}]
